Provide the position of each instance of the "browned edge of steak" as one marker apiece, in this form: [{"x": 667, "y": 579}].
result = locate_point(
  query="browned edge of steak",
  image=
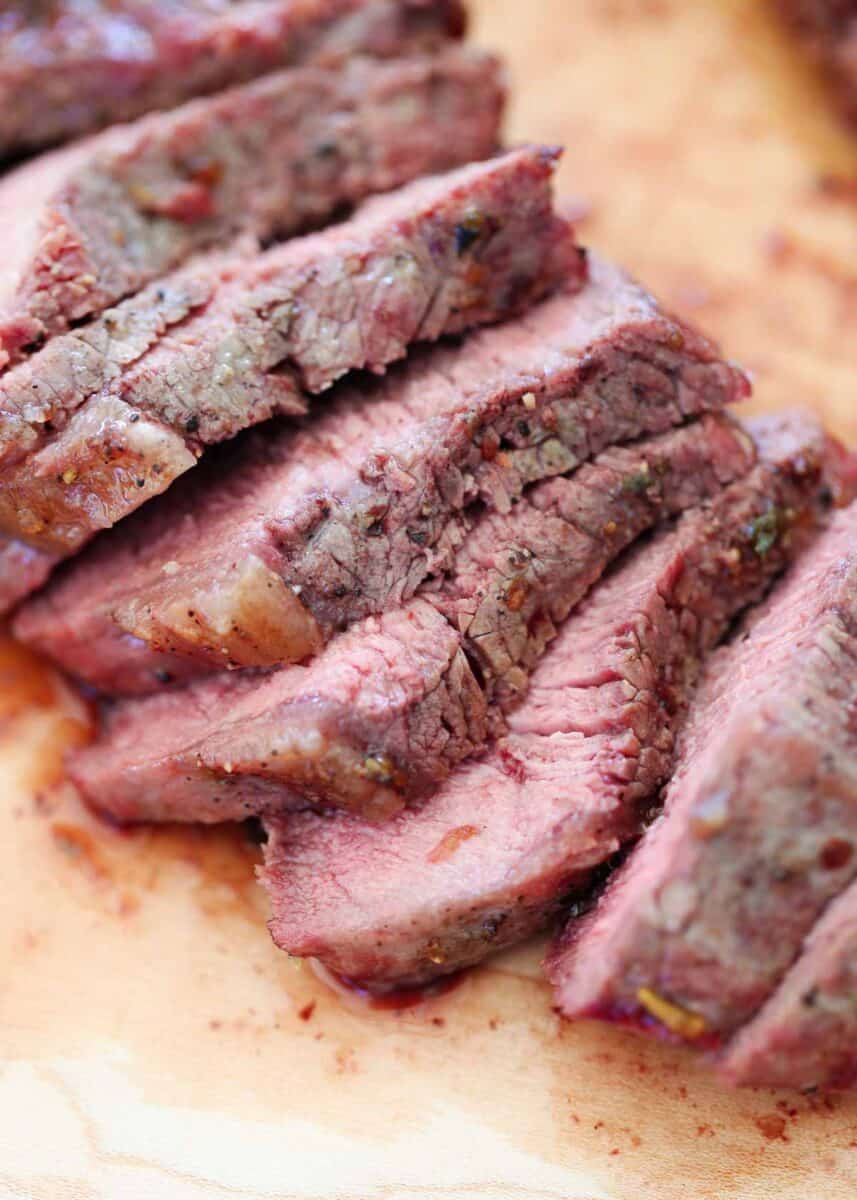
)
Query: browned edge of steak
[
  {"x": 67, "y": 71},
  {"x": 392, "y": 705},
  {"x": 314, "y": 529},
  {"x": 437, "y": 257},
  {"x": 760, "y": 823},
  {"x": 90, "y": 224},
  {"x": 494, "y": 855}
]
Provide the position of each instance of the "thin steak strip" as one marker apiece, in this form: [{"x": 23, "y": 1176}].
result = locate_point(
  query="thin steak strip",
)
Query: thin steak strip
[
  {"x": 68, "y": 68},
  {"x": 392, "y": 705},
  {"x": 437, "y": 257},
  {"x": 314, "y": 529},
  {"x": 805, "y": 1036},
  {"x": 495, "y": 854},
  {"x": 760, "y": 826},
  {"x": 85, "y": 226}
]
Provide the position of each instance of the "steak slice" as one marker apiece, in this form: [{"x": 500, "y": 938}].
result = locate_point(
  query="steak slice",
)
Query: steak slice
[
  {"x": 804, "y": 1036},
  {"x": 23, "y": 570},
  {"x": 67, "y": 68},
  {"x": 89, "y": 224},
  {"x": 392, "y": 705},
  {"x": 494, "y": 855},
  {"x": 392, "y": 688},
  {"x": 760, "y": 823},
  {"x": 223, "y": 346},
  {"x": 310, "y": 530}
]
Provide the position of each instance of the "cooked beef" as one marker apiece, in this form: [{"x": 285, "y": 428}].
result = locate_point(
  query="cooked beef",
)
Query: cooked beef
[
  {"x": 257, "y": 335},
  {"x": 23, "y": 570},
  {"x": 804, "y": 1036},
  {"x": 828, "y": 30},
  {"x": 519, "y": 574},
  {"x": 760, "y": 825},
  {"x": 497, "y": 851},
  {"x": 67, "y": 67},
  {"x": 84, "y": 226},
  {"x": 317, "y": 528},
  {"x": 393, "y": 688},
  {"x": 392, "y": 705}
]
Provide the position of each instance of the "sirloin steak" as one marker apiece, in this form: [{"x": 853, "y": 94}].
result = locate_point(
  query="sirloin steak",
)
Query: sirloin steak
[
  {"x": 392, "y": 705},
  {"x": 310, "y": 530},
  {"x": 759, "y": 830},
  {"x": 107, "y": 416},
  {"x": 85, "y": 226},
  {"x": 496, "y": 852},
  {"x": 804, "y": 1036},
  {"x": 68, "y": 68}
]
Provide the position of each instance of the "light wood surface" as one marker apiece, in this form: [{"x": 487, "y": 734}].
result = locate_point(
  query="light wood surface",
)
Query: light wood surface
[{"x": 155, "y": 1046}]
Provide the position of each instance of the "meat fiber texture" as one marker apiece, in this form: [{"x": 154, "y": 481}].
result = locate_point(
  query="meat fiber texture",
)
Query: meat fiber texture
[
  {"x": 106, "y": 417},
  {"x": 828, "y": 31},
  {"x": 68, "y": 68},
  {"x": 312, "y": 529},
  {"x": 393, "y": 704},
  {"x": 85, "y": 226},
  {"x": 760, "y": 821},
  {"x": 804, "y": 1036},
  {"x": 496, "y": 853}
]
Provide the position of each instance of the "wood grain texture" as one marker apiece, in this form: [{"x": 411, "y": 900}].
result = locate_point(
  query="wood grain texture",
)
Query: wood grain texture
[{"x": 154, "y": 1045}]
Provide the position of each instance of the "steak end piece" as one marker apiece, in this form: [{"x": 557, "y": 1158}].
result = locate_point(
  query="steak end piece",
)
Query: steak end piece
[
  {"x": 498, "y": 850},
  {"x": 393, "y": 704},
  {"x": 92, "y": 223},
  {"x": 804, "y": 1036},
  {"x": 352, "y": 512},
  {"x": 759, "y": 829},
  {"x": 67, "y": 69}
]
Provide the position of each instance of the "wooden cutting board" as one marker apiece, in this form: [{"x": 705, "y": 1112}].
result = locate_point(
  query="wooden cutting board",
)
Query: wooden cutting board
[{"x": 155, "y": 1046}]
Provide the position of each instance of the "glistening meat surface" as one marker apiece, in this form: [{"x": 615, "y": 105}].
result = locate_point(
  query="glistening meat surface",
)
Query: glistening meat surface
[{"x": 87, "y": 225}]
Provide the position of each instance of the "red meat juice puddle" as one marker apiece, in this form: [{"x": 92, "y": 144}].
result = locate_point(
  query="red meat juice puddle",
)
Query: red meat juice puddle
[{"x": 356, "y": 996}]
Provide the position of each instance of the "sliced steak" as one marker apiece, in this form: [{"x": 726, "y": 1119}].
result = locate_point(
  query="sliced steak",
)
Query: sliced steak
[
  {"x": 183, "y": 370},
  {"x": 393, "y": 705},
  {"x": 23, "y": 570},
  {"x": 804, "y": 1036},
  {"x": 497, "y": 851},
  {"x": 393, "y": 688},
  {"x": 87, "y": 225},
  {"x": 313, "y": 529},
  {"x": 67, "y": 68},
  {"x": 519, "y": 574},
  {"x": 760, "y": 826}
]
